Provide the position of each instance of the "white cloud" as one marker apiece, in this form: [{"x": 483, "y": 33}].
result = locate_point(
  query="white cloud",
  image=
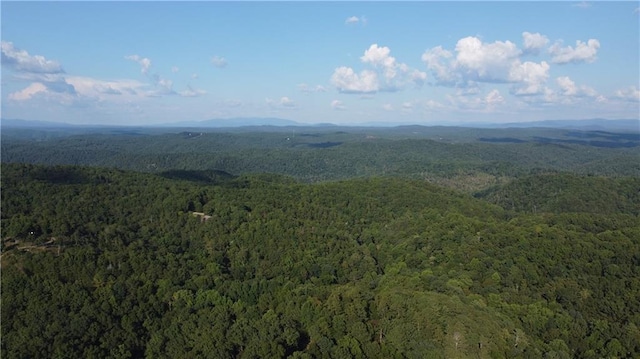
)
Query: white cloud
[
  {"x": 161, "y": 87},
  {"x": 396, "y": 75},
  {"x": 583, "y": 52},
  {"x": 175, "y": 69},
  {"x": 27, "y": 93},
  {"x": 631, "y": 93},
  {"x": 387, "y": 74},
  {"x": 283, "y": 102},
  {"x": 219, "y": 61},
  {"x": 418, "y": 77},
  {"x": 465, "y": 102},
  {"x": 387, "y": 107},
  {"x": 338, "y": 105},
  {"x": 529, "y": 77},
  {"x": 352, "y": 20},
  {"x": 476, "y": 62},
  {"x": 569, "y": 88},
  {"x": 20, "y": 60},
  {"x": 100, "y": 89},
  {"x": 191, "y": 92},
  {"x": 493, "y": 98},
  {"x": 437, "y": 60},
  {"x": 144, "y": 62},
  {"x": 482, "y": 103},
  {"x": 49, "y": 85},
  {"x": 378, "y": 56},
  {"x": 347, "y": 81},
  {"x": 533, "y": 43},
  {"x": 287, "y": 102},
  {"x": 485, "y": 62},
  {"x": 165, "y": 84}
]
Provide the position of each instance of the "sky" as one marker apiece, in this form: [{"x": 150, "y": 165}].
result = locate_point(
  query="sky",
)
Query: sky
[{"x": 429, "y": 63}]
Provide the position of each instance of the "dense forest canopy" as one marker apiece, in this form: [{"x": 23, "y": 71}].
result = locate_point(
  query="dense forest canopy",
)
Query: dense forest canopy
[
  {"x": 469, "y": 159},
  {"x": 247, "y": 245}
]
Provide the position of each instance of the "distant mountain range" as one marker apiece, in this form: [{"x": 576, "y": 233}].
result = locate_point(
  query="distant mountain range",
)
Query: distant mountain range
[
  {"x": 589, "y": 124},
  {"x": 235, "y": 122}
]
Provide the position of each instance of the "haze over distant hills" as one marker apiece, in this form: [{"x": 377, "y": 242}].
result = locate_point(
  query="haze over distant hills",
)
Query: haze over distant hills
[{"x": 587, "y": 124}]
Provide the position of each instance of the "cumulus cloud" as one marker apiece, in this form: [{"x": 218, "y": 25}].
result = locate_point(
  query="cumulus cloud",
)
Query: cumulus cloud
[
  {"x": 287, "y": 102},
  {"x": 583, "y": 52},
  {"x": 90, "y": 87},
  {"x": 387, "y": 107},
  {"x": 144, "y": 62},
  {"x": 338, "y": 105},
  {"x": 483, "y": 103},
  {"x": 355, "y": 20},
  {"x": 396, "y": 75},
  {"x": 386, "y": 74},
  {"x": 192, "y": 92},
  {"x": 493, "y": 98},
  {"x": 569, "y": 88},
  {"x": 175, "y": 69},
  {"x": 378, "y": 56},
  {"x": 631, "y": 93},
  {"x": 46, "y": 85},
  {"x": 283, "y": 102},
  {"x": 219, "y": 61},
  {"x": 59, "y": 90},
  {"x": 21, "y": 60},
  {"x": 352, "y": 20},
  {"x": 160, "y": 86},
  {"x": 48, "y": 82},
  {"x": 347, "y": 81},
  {"x": 533, "y": 43},
  {"x": 27, "y": 93},
  {"x": 476, "y": 62},
  {"x": 485, "y": 62},
  {"x": 437, "y": 60},
  {"x": 529, "y": 77}
]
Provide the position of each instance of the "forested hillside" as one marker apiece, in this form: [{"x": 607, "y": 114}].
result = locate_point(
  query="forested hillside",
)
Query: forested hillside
[
  {"x": 109, "y": 263},
  {"x": 564, "y": 192},
  {"x": 461, "y": 158}
]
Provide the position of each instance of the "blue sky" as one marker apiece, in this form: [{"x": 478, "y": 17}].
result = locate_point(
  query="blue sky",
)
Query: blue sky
[{"x": 133, "y": 63}]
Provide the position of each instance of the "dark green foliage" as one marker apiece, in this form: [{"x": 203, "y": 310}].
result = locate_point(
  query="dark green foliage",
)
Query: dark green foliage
[
  {"x": 440, "y": 154},
  {"x": 206, "y": 177},
  {"x": 563, "y": 192},
  {"x": 106, "y": 263}
]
